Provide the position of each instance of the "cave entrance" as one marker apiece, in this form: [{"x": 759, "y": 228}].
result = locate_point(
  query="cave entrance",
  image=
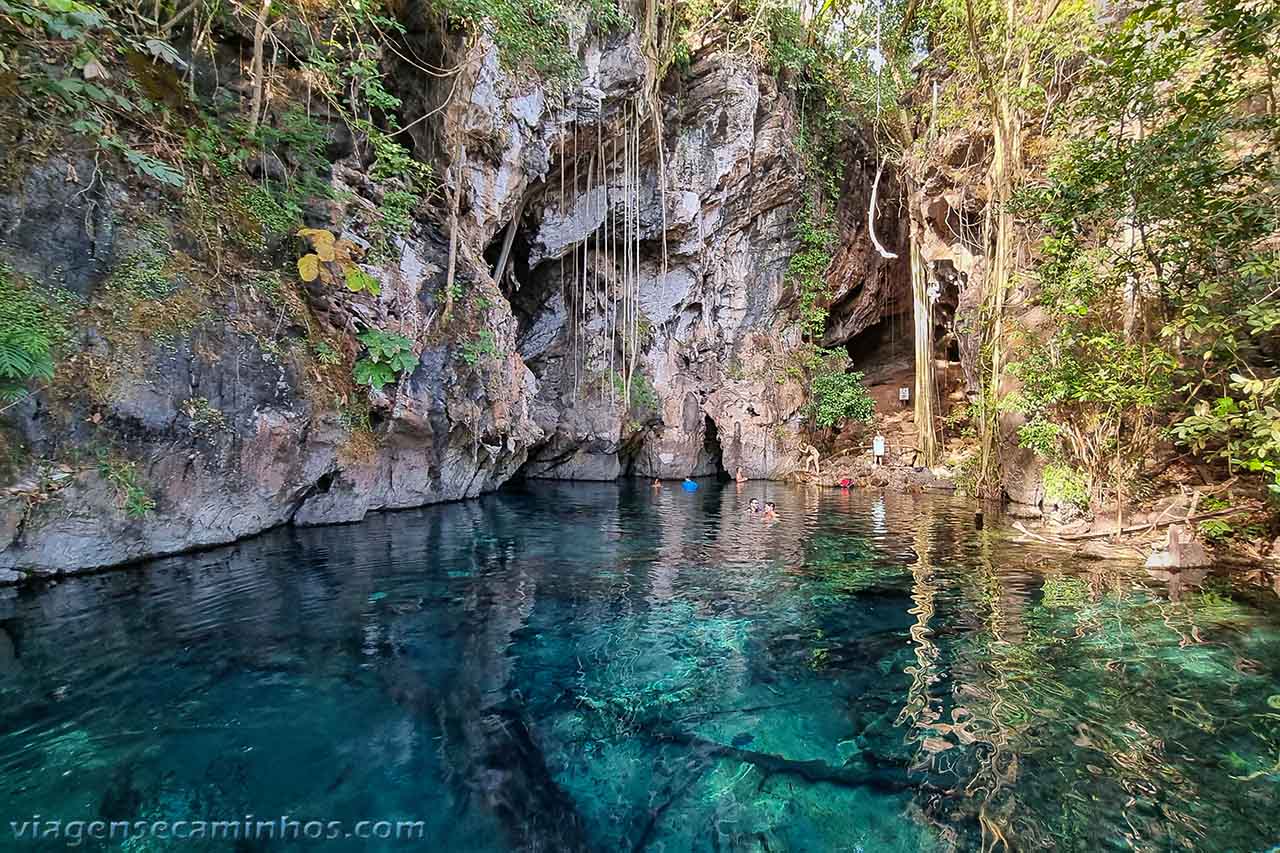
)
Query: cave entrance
[
  {"x": 885, "y": 342},
  {"x": 712, "y": 448},
  {"x": 508, "y": 255}
]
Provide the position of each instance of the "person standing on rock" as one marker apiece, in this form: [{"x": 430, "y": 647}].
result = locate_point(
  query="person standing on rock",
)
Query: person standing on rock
[{"x": 813, "y": 458}]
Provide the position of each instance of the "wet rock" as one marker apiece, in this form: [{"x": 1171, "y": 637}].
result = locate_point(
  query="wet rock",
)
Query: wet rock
[
  {"x": 1096, "y": 549},
  {"x": 1180, "y": 551}
]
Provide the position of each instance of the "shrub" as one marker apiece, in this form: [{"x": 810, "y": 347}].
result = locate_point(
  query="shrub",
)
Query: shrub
[
  {"x": 840, "y": 397},
  {"x": 1065, "y": 485},
  {"x": 123, "y": 476},
  {"x": 484, "y": 345},
  {"x": 389, "y": 356}
]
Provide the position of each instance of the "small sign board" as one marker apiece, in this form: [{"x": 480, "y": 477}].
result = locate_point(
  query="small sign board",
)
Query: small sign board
[{"x": 904, "y": 394}]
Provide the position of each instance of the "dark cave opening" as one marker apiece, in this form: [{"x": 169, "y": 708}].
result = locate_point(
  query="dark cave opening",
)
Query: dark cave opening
[
  {"x": 953, "y": 349},
  {"x": 517, "y": 269},
  {"x": 712, "y": 447},
  {"x": 884, "y": 340}
]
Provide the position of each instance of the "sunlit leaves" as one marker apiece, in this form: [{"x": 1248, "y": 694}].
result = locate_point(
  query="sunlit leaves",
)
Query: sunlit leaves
[
  {"x": 309, "y": 267},
  {"x": 388, "y": 356},
  {"x": 1159, "y": 263},
  {"x": 333, "y": 262}
]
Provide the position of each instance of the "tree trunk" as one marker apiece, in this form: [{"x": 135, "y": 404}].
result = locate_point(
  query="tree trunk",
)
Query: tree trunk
[
  {"x": 922, "y": 309},
  {"x": 259, "y": 37}
]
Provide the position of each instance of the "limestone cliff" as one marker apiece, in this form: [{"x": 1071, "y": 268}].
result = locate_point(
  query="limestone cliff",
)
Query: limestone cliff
[{"x": 200, "y": 379}]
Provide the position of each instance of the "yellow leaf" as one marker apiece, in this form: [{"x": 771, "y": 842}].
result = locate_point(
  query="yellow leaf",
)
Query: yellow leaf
[
  {"x": 321, "y": 240},
  {"x": 309, "y": 267}
]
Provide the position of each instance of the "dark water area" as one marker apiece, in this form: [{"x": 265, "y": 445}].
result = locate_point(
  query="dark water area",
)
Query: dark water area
[{"x": 604, "y": 667}]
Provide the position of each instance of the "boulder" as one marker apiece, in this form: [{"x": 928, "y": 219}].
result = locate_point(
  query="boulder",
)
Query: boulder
[{"x": 1179, "y": 551}]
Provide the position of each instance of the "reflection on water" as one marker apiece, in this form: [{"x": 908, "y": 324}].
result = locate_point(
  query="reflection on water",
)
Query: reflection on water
[{"x": 601, "y": 667}]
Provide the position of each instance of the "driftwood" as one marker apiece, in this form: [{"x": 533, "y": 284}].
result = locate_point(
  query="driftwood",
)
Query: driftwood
[{"x": 1137, "y": 528}]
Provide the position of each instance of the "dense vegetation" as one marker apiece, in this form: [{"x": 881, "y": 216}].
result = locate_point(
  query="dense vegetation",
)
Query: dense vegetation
[
  {"x": 1160, "y": 259},
  {"x": 1132, "y": 186}
]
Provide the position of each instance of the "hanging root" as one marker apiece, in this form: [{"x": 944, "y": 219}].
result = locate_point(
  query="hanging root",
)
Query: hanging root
[{"x": 871, "y": 214}]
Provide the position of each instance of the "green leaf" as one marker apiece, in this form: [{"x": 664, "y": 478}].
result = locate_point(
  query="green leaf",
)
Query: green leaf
[
  {"x": 358, "y": 280},
  {"x": 373, "y": 374}
]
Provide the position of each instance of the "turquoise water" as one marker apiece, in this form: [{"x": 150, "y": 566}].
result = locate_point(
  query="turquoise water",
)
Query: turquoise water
[{"x": 603, "y": 667}]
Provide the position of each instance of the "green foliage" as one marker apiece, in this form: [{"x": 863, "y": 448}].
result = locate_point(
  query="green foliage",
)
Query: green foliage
[
  {"x": 326, "y": 354},
  {"x": 1160, "y": 262},
  {"x": 82, "y": 92},
  {"x": 1087, "y": 392},
  {"x": 142, "y": 276},
  {"x": 397, "y": 205},
  {"x": 484, "y": 345},
  {"x": 271, "y": 206},
  {"x": 959, "y": 421},
  {"x": 30, "y": 326},
  {"x": 359, "y": 281},
  {"x": 389, "y": 356},
  {"x": 644, "y": 397},
  {"x": 1215, "y": 530},
  {"x": 806, "y": 271},
  {"x": 534, "y": 33},
  {"x": 123, "y": 477},
  {"x": 1040, "y": 436},
  {"x": 61, "y": 19},
  {"x": 1243, "y": 428},
  {"x": 1065, "y": 485},
  {"x": 839, "y": 397}
]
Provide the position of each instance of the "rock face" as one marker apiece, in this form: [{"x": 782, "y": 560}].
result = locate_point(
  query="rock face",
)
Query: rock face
[
  {"x": 218, "y": 425},
  {"x": 666, "y": 271},
  {"x": 669, "y": 270}
]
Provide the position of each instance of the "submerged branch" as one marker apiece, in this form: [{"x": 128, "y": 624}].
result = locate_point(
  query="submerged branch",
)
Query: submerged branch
[{"x": 811, "y": 771}]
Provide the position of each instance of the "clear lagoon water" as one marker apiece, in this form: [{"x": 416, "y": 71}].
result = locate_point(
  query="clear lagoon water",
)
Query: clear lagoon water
[{"x": 570, "y": 667}]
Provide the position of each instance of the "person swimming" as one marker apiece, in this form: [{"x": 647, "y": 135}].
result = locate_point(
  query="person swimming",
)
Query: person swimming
[
  {"x": 657, "y": 483},
  {"x": 754, "y": 506},
  {"x": 740, "y": 476},
  {"x": 769, "y": 511}
]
